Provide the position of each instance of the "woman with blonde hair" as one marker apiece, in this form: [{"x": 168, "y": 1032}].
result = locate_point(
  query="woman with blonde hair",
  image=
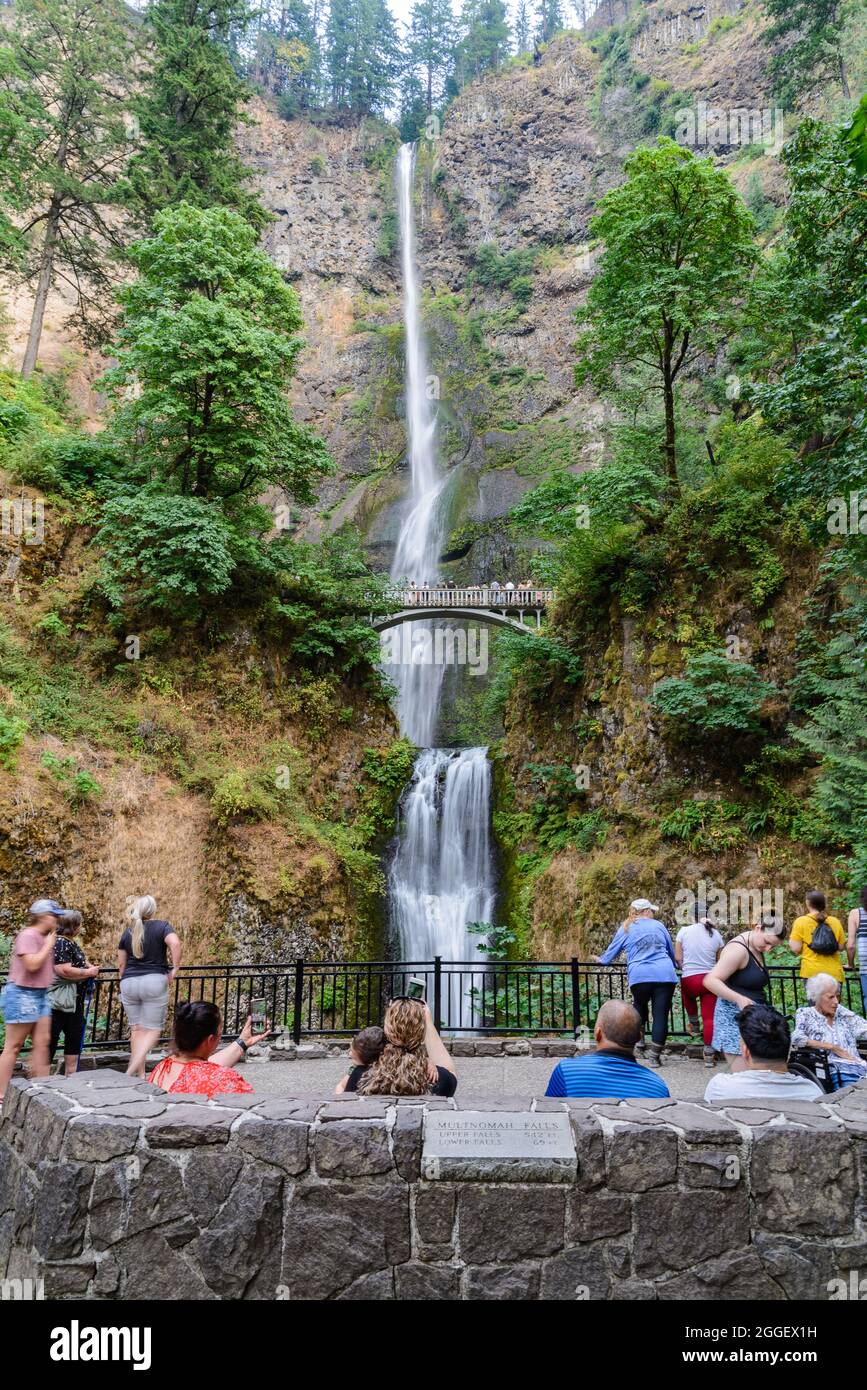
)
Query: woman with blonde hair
[
  {"x": 412, "y": 1048},
  {"x": 145, "y": 976}
]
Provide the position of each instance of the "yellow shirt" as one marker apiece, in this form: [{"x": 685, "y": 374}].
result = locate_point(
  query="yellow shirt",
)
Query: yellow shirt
[{"x": 811, "y": 962}]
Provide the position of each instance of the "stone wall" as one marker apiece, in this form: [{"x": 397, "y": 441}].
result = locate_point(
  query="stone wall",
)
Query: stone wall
[{"x": 110, "y": 1189}]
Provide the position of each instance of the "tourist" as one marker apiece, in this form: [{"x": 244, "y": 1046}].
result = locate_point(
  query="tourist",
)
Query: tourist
[
  {"x": 825, "y": 1023},
  {"x": 365, "y": 1049},
  {"x": 696, "y": 950},
  {"x": 612, "y": 1069},
  {"x": 494, "y": 586},
  {"x": 739, "y": 979},
  {"x": 196, "y": 1067},
  {"x": 145, "y": 976},
  {"x": 411, "y": 1044},
  {"x": 818, "y": 939},
  {"x": 857, "y": 922},
  {"x": 650, "y": 970},
  {"x": 764, "y": 1074},
  {"x": 509, "y": 586},
  {"x": 24, "y": 1001},
  {"x": 72, "y": 971}
]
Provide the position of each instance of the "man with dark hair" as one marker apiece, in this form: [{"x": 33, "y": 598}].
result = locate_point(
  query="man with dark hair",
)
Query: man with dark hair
[
  {"x": 765, "y": 1043},
  {"x": 612, "y": 1069}
]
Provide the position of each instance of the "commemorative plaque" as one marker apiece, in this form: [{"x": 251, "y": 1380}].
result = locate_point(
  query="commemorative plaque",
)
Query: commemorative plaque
[{"x": 519, "y": 1146}]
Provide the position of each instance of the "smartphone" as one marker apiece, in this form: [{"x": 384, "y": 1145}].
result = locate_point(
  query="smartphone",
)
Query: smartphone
[
  {"x": 415, "y": 988},
  {"x": 259, "y": 1015}
]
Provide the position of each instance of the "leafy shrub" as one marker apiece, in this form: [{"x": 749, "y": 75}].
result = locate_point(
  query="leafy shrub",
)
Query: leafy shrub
[
  {"x": 77, "y": 784},
  {"x": 510, "y": 270},
  {"x": 12, "y": 731},
  {"x": 68, "y": 463},
  {"x": 165, "y": 552},
  {"x": 242, "y": 795},
  {"x": 714, "y": 696},
  {"x": 713, "y": 825}
]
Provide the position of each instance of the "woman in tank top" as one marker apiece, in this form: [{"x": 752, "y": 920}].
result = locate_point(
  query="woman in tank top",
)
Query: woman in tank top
[
  {"x": 858, "y": 937},
  {"x": 740, "y": 978}
]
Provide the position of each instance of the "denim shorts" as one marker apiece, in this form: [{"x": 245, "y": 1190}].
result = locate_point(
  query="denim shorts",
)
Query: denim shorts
[
  {"x": 146, "y": 1000},
  {"x": 21, "y": 1004}
]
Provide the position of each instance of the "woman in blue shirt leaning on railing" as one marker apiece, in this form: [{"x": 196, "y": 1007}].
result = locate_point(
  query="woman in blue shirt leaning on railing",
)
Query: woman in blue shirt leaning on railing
[{"x": 650, "y": 969}]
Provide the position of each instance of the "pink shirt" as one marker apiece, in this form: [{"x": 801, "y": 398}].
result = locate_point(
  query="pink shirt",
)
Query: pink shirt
[{"x": 27, "y": 943}]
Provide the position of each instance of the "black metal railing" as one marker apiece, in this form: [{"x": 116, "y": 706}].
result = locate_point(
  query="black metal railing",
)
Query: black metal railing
[{"x": 336, "y": 998}]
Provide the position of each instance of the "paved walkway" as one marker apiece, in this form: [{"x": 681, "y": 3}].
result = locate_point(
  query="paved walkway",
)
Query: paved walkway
[{"x": 478, "y": 1077}]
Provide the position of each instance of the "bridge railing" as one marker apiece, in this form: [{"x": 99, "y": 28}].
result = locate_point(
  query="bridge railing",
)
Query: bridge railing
[
  {"x": 471, "y": 596},
  {"x": 336, "y": 998}
]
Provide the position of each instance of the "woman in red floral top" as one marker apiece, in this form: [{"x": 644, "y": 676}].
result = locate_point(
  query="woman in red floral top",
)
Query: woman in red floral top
[{"x": 199, "y": 1066}]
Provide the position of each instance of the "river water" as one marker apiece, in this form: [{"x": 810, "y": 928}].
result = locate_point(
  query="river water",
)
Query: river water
[{"x": 442, "y": 875}]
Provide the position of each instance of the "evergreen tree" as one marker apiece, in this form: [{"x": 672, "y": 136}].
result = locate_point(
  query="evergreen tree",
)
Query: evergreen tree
[
  {"x": 431, "y": 43},
  {"x": 412, "y": 106},
  {"x": 484, "y": 42},
  {"x": 810, "y": 33},
  {"x": 190, "y": 108},
  {"x": 678, "y": 245},
  {"x": 362, "y": 56},
  {"x": 549, "y": 20},
  {"x": 287, "y": 59},
  {"x": 64, "y": 74},
  {"x": 523, "y": 40}
]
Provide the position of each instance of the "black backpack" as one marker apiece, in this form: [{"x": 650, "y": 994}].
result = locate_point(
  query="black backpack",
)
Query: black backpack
[{"x": 823, "y": 941}]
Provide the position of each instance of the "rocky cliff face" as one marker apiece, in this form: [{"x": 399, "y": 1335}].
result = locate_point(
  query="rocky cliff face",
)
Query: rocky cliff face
[{"x": 520, "y": 162}]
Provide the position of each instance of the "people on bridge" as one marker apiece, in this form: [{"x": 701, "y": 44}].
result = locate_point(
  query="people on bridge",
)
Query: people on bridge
[
  {"x": 764, "y": 1072},
  {"x": 198, "y": 1066},
  {"x": 411, "y": 1044},
  {"x": 72, "y": 972},
  {"x": 145, "y": 976},
  {"x": 740, "y": 978},
  {"x": 818, "y": 939},
  {"x": 650, "y": 970},
  {"x": 825, "y": 1023},
  {"x": 857, "y": 937},
  {"x": 696, "y": 950},
  {"x": 25, "y": 1002},
  {"x": 612, "y": 1069}
]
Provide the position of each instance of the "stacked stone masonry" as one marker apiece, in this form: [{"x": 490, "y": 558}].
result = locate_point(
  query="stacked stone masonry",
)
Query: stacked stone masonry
[{"x": 110, "y": 1189}]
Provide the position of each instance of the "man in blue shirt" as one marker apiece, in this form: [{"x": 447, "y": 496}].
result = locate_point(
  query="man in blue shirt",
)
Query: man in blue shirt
[{"x": 612, "y": 1069}]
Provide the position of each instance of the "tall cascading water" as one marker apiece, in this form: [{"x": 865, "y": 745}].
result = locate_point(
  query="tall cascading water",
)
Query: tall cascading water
[{"x": 442, "y": 874}]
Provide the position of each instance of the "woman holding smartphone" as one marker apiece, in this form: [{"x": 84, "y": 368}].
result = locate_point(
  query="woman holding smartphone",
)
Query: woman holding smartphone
[
  {"x": 413, "y": 1047},
  {"x": 199, "y": 1066}
]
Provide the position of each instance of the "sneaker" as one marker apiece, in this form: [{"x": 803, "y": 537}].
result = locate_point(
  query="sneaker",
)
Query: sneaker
[
  {"x": 709, "y": 1057},
  {"x": 654, "y": 1055}
]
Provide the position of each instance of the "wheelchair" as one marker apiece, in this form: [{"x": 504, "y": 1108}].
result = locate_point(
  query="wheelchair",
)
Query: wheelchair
[{"x": 813, "y": 1062}]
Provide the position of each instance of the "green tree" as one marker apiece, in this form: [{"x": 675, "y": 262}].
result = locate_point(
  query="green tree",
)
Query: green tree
[
  {"x": 809, "y": 37},
  {"x": 484, "y": 41},
  {"x": 190, "y": 107},
  {"x": 549, "y": 20},
  {"x": 678, "y": 247},
  {"x": 205, "y": 352},
  {"x": 362, "y": 56},
  {"x": 431, "y": 42},
  {"x": 523, "y": 40},
  {"x": 807, "y": 312},
  {"x": 65, "y": 74}
]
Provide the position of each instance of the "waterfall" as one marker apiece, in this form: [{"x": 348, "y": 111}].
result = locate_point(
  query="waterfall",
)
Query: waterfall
[
  {"x": 442, "y": 873},
  {"x": 421, "y": 535}
]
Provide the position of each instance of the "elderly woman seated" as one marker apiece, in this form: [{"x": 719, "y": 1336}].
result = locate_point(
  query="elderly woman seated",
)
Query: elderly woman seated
[{"x": 829, "y": 1025}]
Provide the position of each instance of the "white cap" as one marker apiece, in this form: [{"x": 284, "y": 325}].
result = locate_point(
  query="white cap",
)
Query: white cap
[{"x": 643, "y": 905}]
